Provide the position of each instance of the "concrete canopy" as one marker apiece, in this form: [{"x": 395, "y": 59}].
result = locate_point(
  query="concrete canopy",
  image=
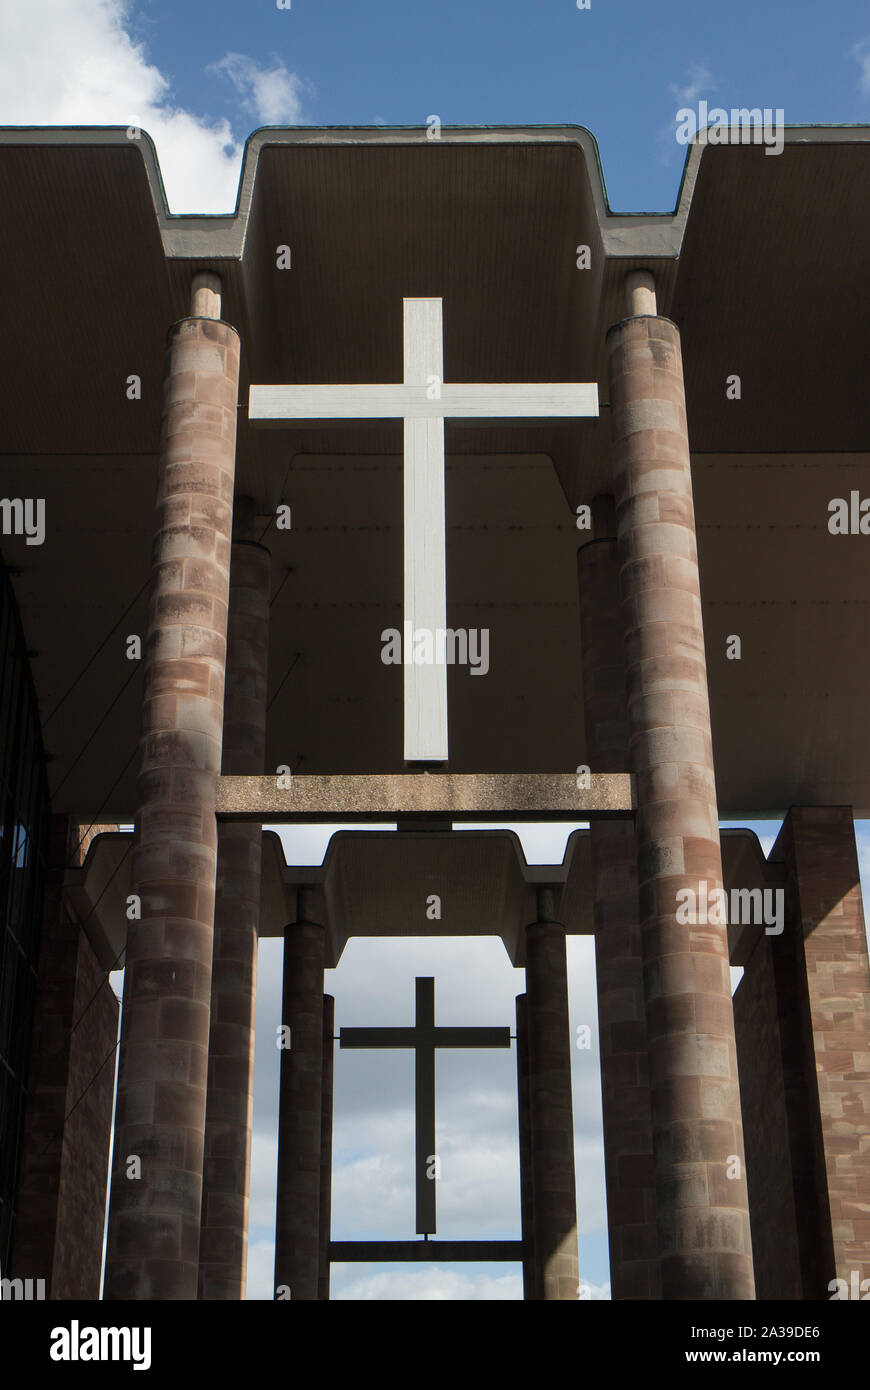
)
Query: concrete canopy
[
  {"x": 373, "y": 884},
  {"x": 758, "y": 265}
]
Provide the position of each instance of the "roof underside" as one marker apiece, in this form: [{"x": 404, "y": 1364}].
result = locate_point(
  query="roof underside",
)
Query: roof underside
[{"x": 759, "y": 266}]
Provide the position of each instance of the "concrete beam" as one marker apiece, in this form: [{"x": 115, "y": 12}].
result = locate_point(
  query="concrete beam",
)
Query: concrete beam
[
  {"x": 424, "y": 1251},
  {"x": 744, "y": 866},
  {"x": 518, "y": 796}
]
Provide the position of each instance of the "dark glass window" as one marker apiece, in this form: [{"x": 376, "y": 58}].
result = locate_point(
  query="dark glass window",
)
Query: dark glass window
[{"x": 24, "y": 813}]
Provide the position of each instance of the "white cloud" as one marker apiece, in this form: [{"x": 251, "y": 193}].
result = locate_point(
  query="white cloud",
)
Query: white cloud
[
  {"x": 595, "y": 1293},
  {"x": 437, "y": 1283},
  {"x": 429, "y": 1283},
  {"x": 861, "y": 53},
  {"x": 273, "y": 96},
  {"x": 63, "y": 64},
  {"x": 700, "y": 81}
]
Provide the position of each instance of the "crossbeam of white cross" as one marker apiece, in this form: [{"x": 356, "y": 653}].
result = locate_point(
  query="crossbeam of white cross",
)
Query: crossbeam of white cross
[{"x": 424, "y": 401}]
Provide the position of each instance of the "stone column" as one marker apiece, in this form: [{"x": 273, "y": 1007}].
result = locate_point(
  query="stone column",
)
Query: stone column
[
  {"x": 223, "y": 1245},
  {"x": 777, "y": 1095},
  {"x": 153, "y": 1247},
  {"x": 297, "y": 1230},
  {"x": 802, "y": 1012},
  {"x": 628, "y": 1148},
  {"x": 527, "y": 1202},
  {"x": 702, "y": 1213},
  {"x": 58, "y": 1231},
  {"x": 827, "y": 1062},
  {"x": 550, "y": 1106},
  {"x": 326, "y": 1144}
]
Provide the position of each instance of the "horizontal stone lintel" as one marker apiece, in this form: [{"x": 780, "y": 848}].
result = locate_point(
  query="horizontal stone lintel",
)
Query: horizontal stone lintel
[
  {"x": 423, "y": 1251},
  {"x": 461, "y": 796}
]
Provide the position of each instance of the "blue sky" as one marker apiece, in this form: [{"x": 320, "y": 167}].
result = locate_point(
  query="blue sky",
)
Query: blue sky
[
  {"x": 617, "y": 68},
  {"x": 199, "y": 78}
]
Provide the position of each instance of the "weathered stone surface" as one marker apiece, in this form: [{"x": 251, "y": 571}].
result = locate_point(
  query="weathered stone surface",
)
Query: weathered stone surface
[
  {"x": 704, "y": 1239},
  {"x": 163, "y": 1056},
  {"x": 803, "y": 1012},
  {"x": 468, "y": 794}
]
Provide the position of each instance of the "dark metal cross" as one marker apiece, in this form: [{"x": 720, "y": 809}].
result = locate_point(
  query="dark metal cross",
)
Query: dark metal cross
[{"x": 424, "y": 1037}]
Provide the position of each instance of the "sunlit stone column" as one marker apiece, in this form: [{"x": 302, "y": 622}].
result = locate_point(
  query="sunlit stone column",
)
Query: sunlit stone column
[
  {"x": 702, "y": 1212},
  {"x": 223, "y": 1242},
  {"x": 153, "y": 1246},
  {"x": 550, "y": 1106}
]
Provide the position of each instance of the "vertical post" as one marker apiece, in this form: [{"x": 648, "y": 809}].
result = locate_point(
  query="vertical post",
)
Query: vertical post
[
  {"x": 425, "y": 594},
  {"x": 527, "y": 1208},
  {"x": 803, "y": 1043},
  {"x": 153, "y": 1246},
  {"x": 777, "y": 1097},
  {"x": 628, "y": 1148},
  {"x": 58, "y": 1232},
  {"x": 297, "y": 1231},
  {"x": 827, "y": 1064},
  {"x": 223, "y": 1243},
  {"x": 702, "y": 1210},
  {"x": 326, "y": 1144},
  {"x": 424, "y": 1091},
  {"x": 550, "y": 1105}
]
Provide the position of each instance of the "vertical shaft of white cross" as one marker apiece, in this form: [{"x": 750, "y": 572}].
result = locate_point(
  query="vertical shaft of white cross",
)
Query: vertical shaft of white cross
[
  {"x": 425, "y": 587},
  {"x": 423, "y": 401}
]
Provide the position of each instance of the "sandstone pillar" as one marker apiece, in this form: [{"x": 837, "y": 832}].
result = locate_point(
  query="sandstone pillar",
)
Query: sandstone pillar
[
  {"x": 326, "y": 1144},
  {"x": 223, "y": 1244},
  {"x": 827, "y": 1064},
  {"x": 550, "y": 1106},
  {"x": 702, "y": 1213},
  {"x": 153, "y": 1247},
  {"x": 298, "y": 1225},
  {"x": 628, "y": 1148},
  {"x": 778, "y": 1095}
]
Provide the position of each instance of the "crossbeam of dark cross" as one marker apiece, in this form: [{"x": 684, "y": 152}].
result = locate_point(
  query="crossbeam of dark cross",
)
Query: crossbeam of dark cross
[{"x": 424, "y": 1038}]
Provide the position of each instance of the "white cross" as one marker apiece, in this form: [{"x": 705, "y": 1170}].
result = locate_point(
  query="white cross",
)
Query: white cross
[{"x": 423, "y": 400}]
